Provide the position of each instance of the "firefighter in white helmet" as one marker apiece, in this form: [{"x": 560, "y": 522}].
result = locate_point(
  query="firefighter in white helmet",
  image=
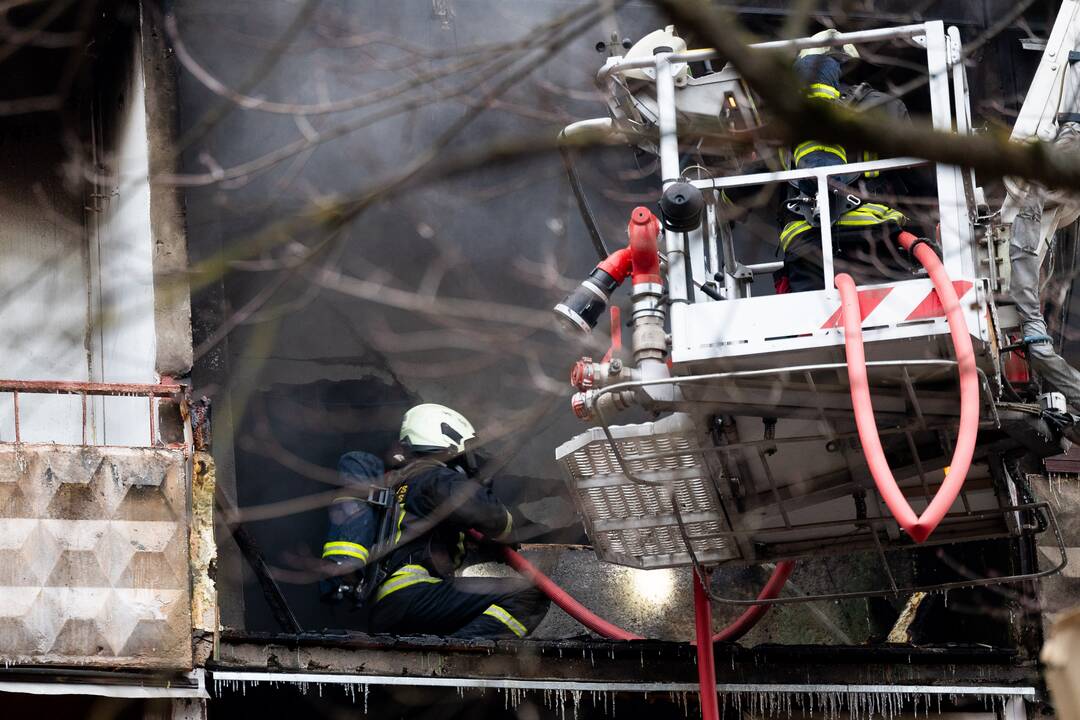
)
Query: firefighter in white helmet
[{"x": 439, "y": 499}]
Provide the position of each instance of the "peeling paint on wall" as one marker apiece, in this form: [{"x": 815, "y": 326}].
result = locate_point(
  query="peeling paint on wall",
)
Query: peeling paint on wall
[{"x": 204, "y": 609}]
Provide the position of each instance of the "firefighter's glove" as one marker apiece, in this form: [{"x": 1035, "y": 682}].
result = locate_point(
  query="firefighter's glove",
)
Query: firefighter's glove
[{"x": 341, "y": 585}]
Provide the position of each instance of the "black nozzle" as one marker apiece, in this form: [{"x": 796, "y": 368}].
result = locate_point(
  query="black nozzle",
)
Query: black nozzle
[
  {"x": 681, "y": 206},
  {"x": 582, "y": 308}
]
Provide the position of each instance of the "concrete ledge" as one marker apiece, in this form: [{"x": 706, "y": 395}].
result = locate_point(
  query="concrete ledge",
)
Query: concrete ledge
[{"x": 426, "y": 658}]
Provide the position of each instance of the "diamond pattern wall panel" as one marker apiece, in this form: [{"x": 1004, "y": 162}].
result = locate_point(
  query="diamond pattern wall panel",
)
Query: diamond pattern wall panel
[{"x": 94, "y": 557}]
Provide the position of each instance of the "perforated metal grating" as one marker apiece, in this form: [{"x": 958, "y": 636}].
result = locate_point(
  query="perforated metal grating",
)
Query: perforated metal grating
[
  {"x": 661, "y": 452},
  {"x": 634, "y": 523}
]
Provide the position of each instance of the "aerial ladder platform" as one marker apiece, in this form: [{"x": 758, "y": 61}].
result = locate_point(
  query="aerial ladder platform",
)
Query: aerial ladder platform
[{"x": 754, "y": 453}]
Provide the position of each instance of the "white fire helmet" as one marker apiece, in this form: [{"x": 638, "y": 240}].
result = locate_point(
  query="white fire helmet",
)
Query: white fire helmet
[
  {"x": 829, "y": 34},
  {"x": 648, "y": 46},
  {"x": 435, "y": 428}
]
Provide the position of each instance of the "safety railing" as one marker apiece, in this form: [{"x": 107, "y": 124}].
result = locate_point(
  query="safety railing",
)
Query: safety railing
[
  {"x": 943, "y": 52},
  {"x": 736, "y": 376},
  {"x": 1040, "y": 515},
  {"x": 821, "y": 175},
  {"x": 88, "y": 393}
]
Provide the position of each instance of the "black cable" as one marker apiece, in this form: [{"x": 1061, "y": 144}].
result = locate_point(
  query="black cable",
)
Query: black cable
[
  {"x": 589, "y": 218},
  {"x": 587, "y": 214}
]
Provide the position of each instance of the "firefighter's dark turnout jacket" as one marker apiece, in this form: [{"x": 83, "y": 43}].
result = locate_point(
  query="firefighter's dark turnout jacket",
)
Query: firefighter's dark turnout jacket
[{"x": 421, "y": 595}]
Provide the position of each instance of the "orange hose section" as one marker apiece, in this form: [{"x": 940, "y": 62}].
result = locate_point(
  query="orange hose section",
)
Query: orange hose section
[
  {"x": 750, "y": 617},
  {"x": 600, "y": 626},
  {"x": 560, "y": 597},
  {"x": 918, "y": 527}
]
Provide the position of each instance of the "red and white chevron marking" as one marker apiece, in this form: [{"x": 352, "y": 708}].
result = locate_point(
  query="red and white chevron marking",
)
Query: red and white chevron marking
[{"x": 902, "y": 303}]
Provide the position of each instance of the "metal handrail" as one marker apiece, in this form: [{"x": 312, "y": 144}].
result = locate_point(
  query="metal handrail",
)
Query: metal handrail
[
  {"x": 167, "y": 388},
  {"x": 862, "y": 36},
  {"x": 631, "y": 384},
  {"x": 821, "y": 173}
]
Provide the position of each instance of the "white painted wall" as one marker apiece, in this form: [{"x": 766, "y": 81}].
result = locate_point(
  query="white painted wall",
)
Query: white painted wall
[
  {"x": 43, "y": 282},
  {"x": 76, "y": 277},
  {"x": 121, "y": 275}
]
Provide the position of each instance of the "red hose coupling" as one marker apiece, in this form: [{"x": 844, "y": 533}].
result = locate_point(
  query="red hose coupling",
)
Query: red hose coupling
[
  {"x": 579, "y": 404},
  {"x": 583, "y": 374},
  {"x": 644, "y": 229}
]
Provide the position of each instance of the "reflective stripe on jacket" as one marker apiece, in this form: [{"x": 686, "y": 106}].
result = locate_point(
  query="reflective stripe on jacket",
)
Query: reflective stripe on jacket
[
  {"x": 346, "y": 549},
  {"x": 865, "y": 215},
  {"x": 404, "y": 577},
  {"x": 828, "y": 93}
]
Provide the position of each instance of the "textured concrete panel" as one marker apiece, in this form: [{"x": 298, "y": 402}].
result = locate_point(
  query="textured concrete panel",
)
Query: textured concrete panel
[
  {"x": 204, "y": 607},
  {"x": 94, "y": 556}
]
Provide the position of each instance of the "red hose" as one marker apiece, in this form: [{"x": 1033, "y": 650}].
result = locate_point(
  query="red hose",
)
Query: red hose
[
  {"x": 918, "y": 527},
  {"x": 600, "y": 626},
  {"x": 750, "y": 617},
  {"x": 560, "y": 597},
  {"x": 706, "y": 662}
]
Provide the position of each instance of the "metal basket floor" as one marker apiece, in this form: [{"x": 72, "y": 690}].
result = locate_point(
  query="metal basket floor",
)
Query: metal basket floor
[{"x": 634, "y": 523}]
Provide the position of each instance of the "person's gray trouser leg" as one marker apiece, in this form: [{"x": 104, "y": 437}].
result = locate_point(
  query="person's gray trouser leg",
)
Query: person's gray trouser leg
[{"x": 1024, "y": 288}]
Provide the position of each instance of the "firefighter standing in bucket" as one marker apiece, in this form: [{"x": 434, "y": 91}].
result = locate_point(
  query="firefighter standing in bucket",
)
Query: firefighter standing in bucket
[
  {"x": 864, "y": 225},
  {"x": 438, "y": 499}
]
